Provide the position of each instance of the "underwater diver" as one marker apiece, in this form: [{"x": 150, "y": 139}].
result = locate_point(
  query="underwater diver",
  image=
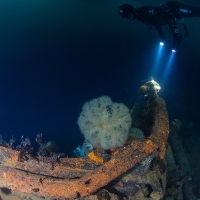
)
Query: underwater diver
[{"x": 170, "y": 14}]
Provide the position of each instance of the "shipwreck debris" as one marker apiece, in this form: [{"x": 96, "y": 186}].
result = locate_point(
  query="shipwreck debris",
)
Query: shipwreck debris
[{"x": 70, "y": 178}]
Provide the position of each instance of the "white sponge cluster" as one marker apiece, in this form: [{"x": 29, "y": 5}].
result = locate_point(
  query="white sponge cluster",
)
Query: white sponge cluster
[{"x": 105, "y": 124}]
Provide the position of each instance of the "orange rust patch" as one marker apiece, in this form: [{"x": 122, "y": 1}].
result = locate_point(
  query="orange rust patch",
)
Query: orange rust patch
[{"x": 148, "y": 147}]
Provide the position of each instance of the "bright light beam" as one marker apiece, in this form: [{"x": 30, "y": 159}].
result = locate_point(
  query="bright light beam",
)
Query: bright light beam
[
  {"x": 157, "y": 62},
  {"x": 168, "y": 66}
]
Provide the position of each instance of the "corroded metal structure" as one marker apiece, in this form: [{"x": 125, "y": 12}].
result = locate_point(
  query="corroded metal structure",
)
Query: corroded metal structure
[{"x": 76, "y": 178}]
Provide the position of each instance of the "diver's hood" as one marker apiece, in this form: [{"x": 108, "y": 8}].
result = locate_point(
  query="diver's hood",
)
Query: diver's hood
[{"x": 127, "y": 11}]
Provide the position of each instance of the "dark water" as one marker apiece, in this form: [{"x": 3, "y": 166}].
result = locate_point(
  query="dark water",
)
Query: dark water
[{"x": 56, "y": 55}]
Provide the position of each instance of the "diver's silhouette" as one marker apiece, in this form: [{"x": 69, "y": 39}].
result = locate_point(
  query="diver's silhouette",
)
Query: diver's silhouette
[{"x": 170, "y": 14}]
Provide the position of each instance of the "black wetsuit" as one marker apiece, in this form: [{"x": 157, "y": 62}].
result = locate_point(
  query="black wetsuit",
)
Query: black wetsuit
[{"x": 168, "y": 14}]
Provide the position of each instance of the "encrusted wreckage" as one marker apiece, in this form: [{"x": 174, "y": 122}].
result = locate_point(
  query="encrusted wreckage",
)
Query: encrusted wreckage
[{"x": 133, "y": 171}]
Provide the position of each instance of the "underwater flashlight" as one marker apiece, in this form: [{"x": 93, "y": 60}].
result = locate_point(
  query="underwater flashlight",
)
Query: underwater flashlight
[
  {"x": 161, "y": 43},
  {"x": 174, "y": 50}
]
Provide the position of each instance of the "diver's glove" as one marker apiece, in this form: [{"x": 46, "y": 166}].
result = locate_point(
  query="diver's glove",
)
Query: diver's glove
[{"x": 127, "y": 11}]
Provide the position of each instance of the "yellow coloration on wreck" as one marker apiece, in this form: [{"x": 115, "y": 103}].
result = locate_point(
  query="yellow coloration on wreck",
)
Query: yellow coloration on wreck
[
  {"x": 148, "y": 147},
  {"x": 143, "y": 89},
  {"x": 163, "y": 150},
  {"x": 95, "y": 158}
]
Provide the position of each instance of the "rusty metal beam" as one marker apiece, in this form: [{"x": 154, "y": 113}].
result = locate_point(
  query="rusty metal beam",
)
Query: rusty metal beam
[
  {"x": 68, "y": 168},
  {"x": 23, "y": 180},
  {"x": 160, "y": 128}
]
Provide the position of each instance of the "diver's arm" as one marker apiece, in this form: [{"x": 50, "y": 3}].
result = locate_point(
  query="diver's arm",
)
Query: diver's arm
[{"x": 160, "y": 32}]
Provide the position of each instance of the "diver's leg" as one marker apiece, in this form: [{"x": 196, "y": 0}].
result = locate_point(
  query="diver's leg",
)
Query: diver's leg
[
  {"x": 177, "y": 38},
  {"x": 180, "y": 10}
]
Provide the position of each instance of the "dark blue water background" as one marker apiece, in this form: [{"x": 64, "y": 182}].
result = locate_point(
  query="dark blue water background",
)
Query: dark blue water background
[{"x": 56, "y": 55}]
